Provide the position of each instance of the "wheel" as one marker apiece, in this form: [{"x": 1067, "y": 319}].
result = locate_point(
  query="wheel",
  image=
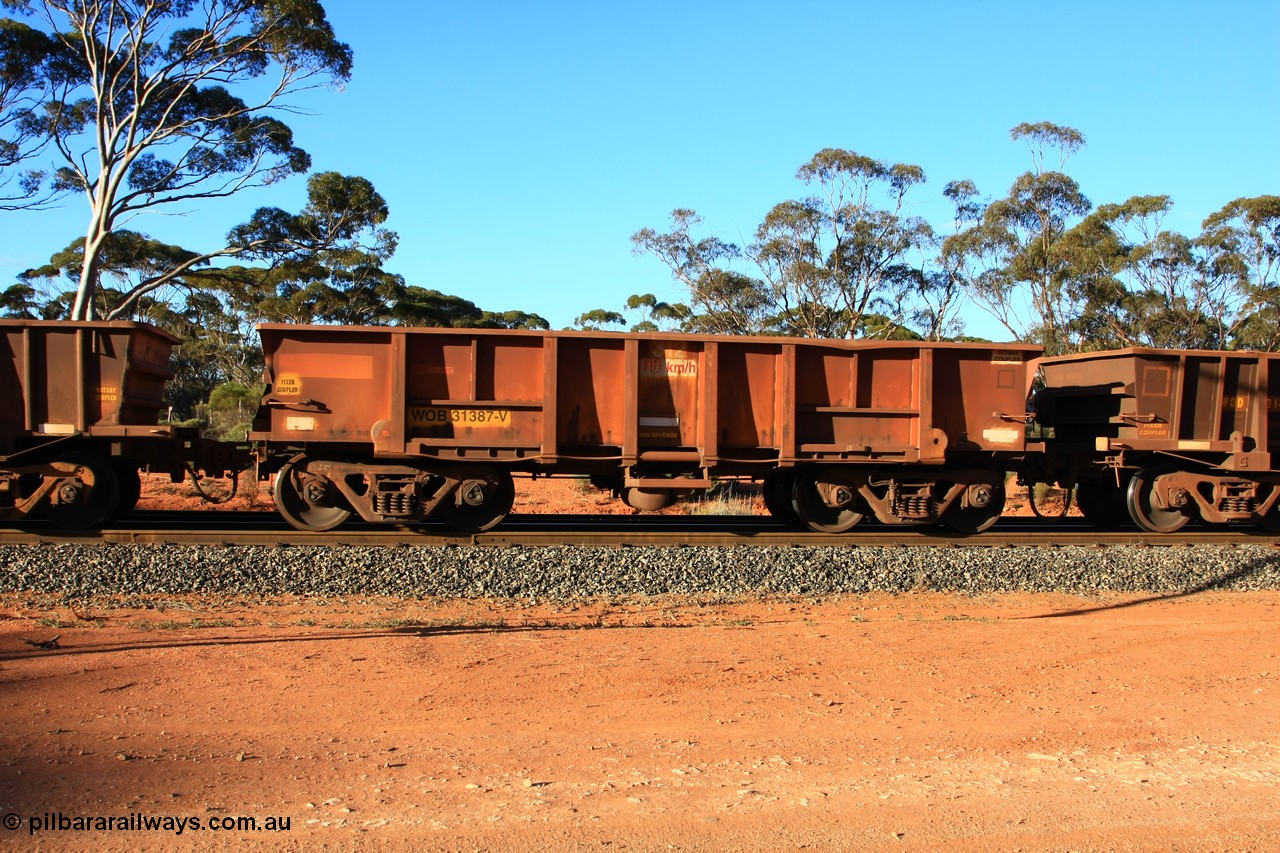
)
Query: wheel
[
  {"x": 815, "y": 513},
  {"x": 307, "y": 501},
  {"x": 1102, "y": 502},
  {"x": 1270, "y": 522},
  {"x": 479, "y": 502},
  {"x": 777, "y": 491},
  {"x": 1146, "y": 511},
  {"x": 87, "y": 495},
  {"x": 978, "y": 508},
  {"x": 130, "y": 486}
]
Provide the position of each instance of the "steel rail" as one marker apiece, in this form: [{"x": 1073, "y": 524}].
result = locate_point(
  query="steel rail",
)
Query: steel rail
[{"x": 265, "y": 529}]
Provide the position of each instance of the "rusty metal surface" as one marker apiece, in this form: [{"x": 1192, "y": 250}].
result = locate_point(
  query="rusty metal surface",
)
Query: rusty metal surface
[
  {"x": 574, "y": 402},
  {"x": 1224, "y": 406},
  {"x": 97, "y": 378}
]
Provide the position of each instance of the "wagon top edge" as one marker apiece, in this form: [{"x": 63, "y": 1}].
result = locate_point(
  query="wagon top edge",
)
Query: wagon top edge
[
  {"x": 95, "y": 325},
  {"x": 1153, "y": 351},
  {"x": 677, "y": 337}
]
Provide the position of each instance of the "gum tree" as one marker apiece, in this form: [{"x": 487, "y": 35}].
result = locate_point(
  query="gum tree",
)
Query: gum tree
[{"x": 164, "y": 104}]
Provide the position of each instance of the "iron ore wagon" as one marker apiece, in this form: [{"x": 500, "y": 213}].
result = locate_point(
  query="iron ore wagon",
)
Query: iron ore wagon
[
  {"x": 396, "y": 424},
  {"x": 401, "y": 424},
  {"x": 79, "y": 416},
  {"x": 1165, "y": 436}
]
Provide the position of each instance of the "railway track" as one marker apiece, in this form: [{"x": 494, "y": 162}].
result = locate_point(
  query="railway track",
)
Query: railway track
[{"x": 267, "y": 529}]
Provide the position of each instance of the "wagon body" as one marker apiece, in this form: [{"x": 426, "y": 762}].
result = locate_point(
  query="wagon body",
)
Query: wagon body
[
  {"x": 1188, "y": 432},
  {"x": 1222, "y": 407},
  {"x": 566, "y": 400},
  {"x": 661, "y": 413},
  {"x": 82, "y": 402},
  {"x": 90, "y": 378}
]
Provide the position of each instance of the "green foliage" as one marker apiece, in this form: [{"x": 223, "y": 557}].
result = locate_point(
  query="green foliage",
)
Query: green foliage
[
  {"x": 597, "y": 318},
  {"x": 722, "y": 301},
  {"x": 140, "y": 106},
  {"x": 418, "y": 306},
  {"x": 28, "y": 73},
  {"x": 824, "y": 262},
  {"x": 228, "y": 416}
]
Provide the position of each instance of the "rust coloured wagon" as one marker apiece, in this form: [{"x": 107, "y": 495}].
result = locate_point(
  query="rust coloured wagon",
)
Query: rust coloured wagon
[
  {"x": 1168, "y": 435},
  {"x": 80, "y": 417},
  {"x": 397, "y": 424}
]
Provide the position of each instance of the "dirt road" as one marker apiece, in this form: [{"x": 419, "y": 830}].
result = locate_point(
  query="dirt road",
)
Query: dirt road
[{"x": 912, "y": 722}]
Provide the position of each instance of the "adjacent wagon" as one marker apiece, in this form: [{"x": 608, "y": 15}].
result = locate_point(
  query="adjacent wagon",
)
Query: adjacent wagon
[
  {"x": 1166, "y": 435},
  {"x": 81, "y": 405}
]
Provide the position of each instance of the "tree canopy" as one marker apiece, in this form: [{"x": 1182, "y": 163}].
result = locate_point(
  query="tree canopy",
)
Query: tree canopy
[
  {"x": 848, "y": 260},
  {"x": 149, "y": 104}
]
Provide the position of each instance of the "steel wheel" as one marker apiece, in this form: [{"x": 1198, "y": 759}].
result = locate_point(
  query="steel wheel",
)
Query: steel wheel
[
  {"x": 816, "y": 514},
  {"x": 130, "y": 486},
  {"x": 306, "y": 501},
  {"x": 778, "y": 488},
  {"x": 1146, "y": 511},
  {"x": 978, "y": 508},
  {"x": 479, "y": 503},
  {"x": 87, "y": 496}
]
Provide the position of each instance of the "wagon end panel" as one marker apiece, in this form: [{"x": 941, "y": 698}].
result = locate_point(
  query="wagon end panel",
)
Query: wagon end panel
[
  {"x": 329, "y": 385},
  {"x": 979, "y": 397},
  {"x": 143, "y": 373},
  {"x": 1214, "y": 405},
  {"x": 13, "y": 368},
  {"x": 63, "y": 378}
]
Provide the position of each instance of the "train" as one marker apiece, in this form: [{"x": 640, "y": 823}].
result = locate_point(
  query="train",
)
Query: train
[{"x": 403, "y": 424}]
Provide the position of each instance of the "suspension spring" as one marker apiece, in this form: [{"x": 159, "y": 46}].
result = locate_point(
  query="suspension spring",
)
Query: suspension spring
[
  {"x": 1244, "y": 506},
  {"x": 913, "y": 506},
  {"x": 394, "y": 503}
]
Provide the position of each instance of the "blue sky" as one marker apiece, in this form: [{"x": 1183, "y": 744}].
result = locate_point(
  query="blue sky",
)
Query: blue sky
[{"x": 519, "y": 145}]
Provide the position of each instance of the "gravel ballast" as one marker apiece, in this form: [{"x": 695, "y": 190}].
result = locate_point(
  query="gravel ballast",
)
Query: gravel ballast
[{"x": 571, "y": 572}]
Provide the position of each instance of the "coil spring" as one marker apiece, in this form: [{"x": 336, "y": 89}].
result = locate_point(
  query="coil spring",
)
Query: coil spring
[
  {"x": 916, "y": 506},
  {"x": 1237, "y": 505},
  {"x": 394, "y": 503}
]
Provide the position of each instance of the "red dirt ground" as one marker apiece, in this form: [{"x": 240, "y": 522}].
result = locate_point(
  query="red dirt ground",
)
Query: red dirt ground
[
  {"x": 910, "y": 722},
  {"x": 913, "y": 722}
]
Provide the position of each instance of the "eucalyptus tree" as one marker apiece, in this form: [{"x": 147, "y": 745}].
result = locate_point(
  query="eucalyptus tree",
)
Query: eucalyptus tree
[
  {"x": 832, "y": 258},
  {"x": 721, "y": 300},
  {"x": 1140, "y": 283},
  {"x": 28, "y": 72},
  {"x": 335, "y": 243},
  {"x": 1015, "y": 261},
  {"x": 1240, "y": 269},
  {"x": 146, "y": 118},
  {"x": 420, "y": 306},
  {"x": 598, "y": 320},
  {"x": 654, "y": 315}
]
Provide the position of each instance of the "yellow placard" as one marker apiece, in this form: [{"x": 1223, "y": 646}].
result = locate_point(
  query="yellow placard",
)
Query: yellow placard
[{"x": 288, "y": 385}]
